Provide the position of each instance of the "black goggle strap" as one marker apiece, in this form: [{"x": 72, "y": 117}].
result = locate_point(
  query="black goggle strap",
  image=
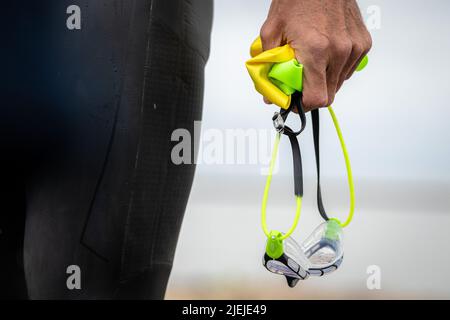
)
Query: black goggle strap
[
  {"x": 316, "y": 131},
  {"x": 292, "y": 135}
]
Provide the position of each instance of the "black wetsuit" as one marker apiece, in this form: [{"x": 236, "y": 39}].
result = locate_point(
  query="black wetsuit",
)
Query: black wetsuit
[{"x": 86, "y": 120}]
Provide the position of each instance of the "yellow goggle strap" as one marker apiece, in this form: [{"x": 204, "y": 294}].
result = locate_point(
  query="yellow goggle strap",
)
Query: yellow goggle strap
[
  {"x": 315, "y": 123},
  {"x": 279, "y": 119}
]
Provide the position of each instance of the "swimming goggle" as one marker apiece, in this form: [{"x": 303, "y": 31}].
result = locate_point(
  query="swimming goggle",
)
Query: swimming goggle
[{"x": 277, "y": 75}]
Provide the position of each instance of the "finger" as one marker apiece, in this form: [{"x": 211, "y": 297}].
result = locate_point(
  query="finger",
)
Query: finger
[
  {"x": 314, "y": 58},
  {"x": 363, "y": 49},
  {"x": 359, "y": 51},
  {"x": 315, "y": 93},
  {"x": 340, "y": 53},
  {"x": 350, "y": 67},
  {"x": 271, "y": 36},
  {"x": 355, "y": 55},
  {"x": 361, "y": 44}
]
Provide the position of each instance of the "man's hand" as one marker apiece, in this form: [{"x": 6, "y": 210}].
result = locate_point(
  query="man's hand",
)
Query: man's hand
[{"x": 329, "y": 38}]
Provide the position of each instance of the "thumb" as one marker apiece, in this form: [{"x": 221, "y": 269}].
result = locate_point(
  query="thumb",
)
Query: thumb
[{"x": 270, "y": 36}]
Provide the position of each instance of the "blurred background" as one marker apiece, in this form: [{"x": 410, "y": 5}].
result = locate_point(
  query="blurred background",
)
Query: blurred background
[{"x": 394, "y": 117}]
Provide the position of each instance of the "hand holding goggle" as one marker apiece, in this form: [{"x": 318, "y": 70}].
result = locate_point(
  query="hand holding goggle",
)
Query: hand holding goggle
[{"x": 278, "y": 76}]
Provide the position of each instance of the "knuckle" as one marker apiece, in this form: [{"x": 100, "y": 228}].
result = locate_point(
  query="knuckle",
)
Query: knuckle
[
  {"x": 343, "y": 47},
  {"x": 329, "y": 102},
  {"x": 268, "y": 30},
  {"x": 316, "y": 100},
  {"x": 319, "y": 44},
  {"x": 358, "y": 49},
  {"x": 367, "y": 41}
]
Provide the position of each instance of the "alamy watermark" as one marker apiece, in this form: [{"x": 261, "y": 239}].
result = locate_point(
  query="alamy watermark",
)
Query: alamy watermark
[
  {"x": 223, "y": 147},
  {"x": 73, "y": 21},
  {"x": 73, "y": 281},
  {"x": 373, "y": 281},
  {"x": 373, "y": 17}
]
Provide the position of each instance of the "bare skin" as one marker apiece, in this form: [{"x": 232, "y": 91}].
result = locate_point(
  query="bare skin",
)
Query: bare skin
[{"x": 329, "y": 38}]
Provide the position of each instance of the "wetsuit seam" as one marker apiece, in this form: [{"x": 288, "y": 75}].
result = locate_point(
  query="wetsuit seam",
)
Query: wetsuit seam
[
  {"x": 110, "y": 143},
  {"x": 163, "y": 191},
  {"x": 139, "y": 143}
]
